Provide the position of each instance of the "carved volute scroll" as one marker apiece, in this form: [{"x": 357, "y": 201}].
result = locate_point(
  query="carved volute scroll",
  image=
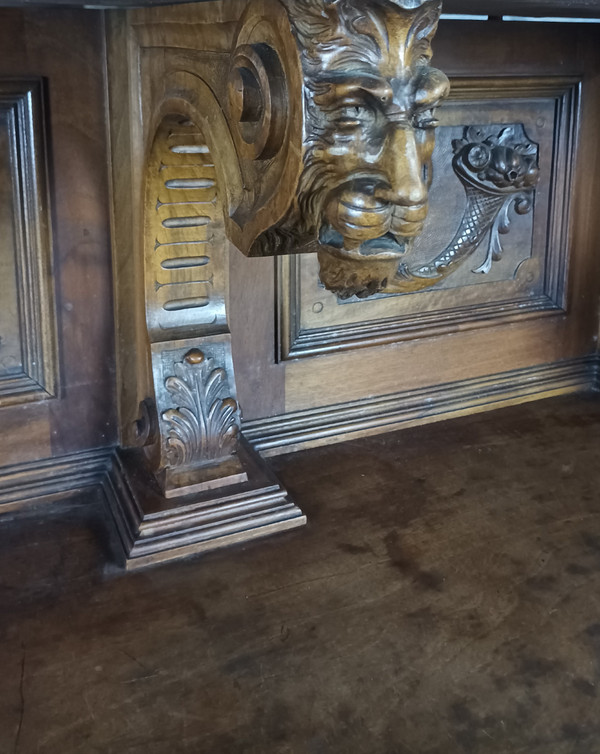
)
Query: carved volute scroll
[
  {"x": 186, "y": 480},
  {"x": 263, "y": 100}
]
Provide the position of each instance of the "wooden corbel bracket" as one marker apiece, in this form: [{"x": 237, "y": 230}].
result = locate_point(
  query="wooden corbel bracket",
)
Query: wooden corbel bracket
[
  {"x": 206, "y": 124},
  {"x": 281, "y": 128}
]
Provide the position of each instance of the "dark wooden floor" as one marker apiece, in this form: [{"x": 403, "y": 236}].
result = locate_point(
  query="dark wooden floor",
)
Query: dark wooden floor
[{"x": 444, "y": 598}]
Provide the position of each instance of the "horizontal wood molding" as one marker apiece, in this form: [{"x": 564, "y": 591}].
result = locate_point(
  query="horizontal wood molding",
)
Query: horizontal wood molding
[
  {"x": 198, "y": 523},
  {"x": 25, "y": 484},
  {"x": 255, "y": 508},
  {"x": 164, "y": 537},
  {"x": 431, "y": 324},
  {"x": 321, "y": 426}
]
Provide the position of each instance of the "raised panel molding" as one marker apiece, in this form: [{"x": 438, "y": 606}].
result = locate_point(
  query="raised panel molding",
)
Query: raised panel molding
[
  {"x": 535, "y": 284},
  {"x": 29, "y": 484},
  {"x": 384, "y": 413},
  {"x": 28, "y": 351}
]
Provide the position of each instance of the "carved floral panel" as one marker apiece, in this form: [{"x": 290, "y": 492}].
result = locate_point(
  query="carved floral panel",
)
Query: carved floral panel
[{"x": 517, "y": 265}]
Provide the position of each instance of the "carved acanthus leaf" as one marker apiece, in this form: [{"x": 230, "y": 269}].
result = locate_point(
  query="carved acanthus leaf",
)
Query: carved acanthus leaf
[
  {"x": 205, "y": 423},
  {"x": 522, "y": 204}
]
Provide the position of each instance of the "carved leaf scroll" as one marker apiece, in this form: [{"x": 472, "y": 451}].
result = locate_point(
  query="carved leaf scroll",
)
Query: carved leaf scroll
[
  {"x": 205, "y": 424},
  {"x": 522, "y": 205}
]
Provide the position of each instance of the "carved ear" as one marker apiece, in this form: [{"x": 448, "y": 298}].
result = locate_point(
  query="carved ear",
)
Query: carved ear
[{"x": 422, "y": 31}]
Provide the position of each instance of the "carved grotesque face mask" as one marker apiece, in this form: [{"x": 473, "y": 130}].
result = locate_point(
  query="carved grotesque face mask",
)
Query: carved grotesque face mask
[{"x": 370, "y": 96}]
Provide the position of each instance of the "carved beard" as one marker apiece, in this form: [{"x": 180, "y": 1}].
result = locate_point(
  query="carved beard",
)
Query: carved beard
[{"x": 298, "y": 230}]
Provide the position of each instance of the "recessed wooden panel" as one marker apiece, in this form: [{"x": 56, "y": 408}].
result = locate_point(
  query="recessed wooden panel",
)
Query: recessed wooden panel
[
  {"x": 51, "y": 84},
  {"x": 442, "y": 361},
  {"x": 28, "y": 363},
  {"x": 529, "y": 278}
]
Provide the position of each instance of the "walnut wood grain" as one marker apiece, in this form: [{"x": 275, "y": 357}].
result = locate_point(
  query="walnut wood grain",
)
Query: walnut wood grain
[
  {"x": 197, "y": 155},
  {"x": 82, "y": 412},
  {"x": 386, "y": 363},
  {"x": 28, "y": 353}
]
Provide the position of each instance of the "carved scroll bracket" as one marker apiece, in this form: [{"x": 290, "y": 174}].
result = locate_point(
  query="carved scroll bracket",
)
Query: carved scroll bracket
[
  {"x": 192, "y": 483},
  {"x": 186, "y": 275}
]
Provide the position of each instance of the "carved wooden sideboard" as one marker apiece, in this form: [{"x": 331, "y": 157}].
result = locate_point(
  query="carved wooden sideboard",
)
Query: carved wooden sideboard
[{"x": 245, "y": 226}]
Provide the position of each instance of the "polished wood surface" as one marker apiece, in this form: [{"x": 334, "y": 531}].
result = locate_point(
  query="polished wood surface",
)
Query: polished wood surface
[
  {"x": 28, "y": 353},
  {"x": 194, "y": 161},
  {"x": 71, "y": 191},
  {"x": 349, "y": 357},
  {"x": 512, "y": 316},
  {"x": 443, "y": 600},
  {"x": 214, "y": 128}
]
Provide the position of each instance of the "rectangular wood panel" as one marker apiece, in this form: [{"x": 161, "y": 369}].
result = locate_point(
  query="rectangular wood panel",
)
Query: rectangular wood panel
[
  {"x": 28, "y": 358},
  {"x": 56, "y": 249},
  {"x": 478, "y": 340},
  {"x": 519, "y": 270}
]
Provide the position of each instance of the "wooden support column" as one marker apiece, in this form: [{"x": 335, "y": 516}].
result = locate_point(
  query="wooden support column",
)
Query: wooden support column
[{"x": 186, "y": 481}]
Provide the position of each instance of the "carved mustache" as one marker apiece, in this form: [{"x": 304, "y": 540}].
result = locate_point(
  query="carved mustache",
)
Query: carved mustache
[
  {"x": 365, "y": 216},
  {"x": 352, "y": 205}
]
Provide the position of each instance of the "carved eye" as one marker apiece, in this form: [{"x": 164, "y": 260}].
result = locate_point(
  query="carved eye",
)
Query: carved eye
[
  {"x": 352, "y": 116},
  {"x": 425, "y": 119}
]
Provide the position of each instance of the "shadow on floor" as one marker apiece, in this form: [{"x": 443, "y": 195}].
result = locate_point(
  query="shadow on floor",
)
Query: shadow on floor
[{"x": 444, "y": 598}]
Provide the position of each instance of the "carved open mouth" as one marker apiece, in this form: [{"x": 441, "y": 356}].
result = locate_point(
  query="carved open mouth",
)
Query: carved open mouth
[{"x": 385, "y": 245}]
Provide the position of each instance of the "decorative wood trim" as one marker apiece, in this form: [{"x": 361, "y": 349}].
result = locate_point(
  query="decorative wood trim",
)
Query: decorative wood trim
[
  {"x": 26, "y": 484},
  {"x": 198, "y": 523},
  {"x": 179, "y": 148},
  {"x": 395, "y": 329},
  {"x": 293, "y": 341},
  {"x": 150, "y": 532},
  {"x": 260, "y": 506},
  {"x": 22, "y": 102},
  {"x": 321, "y": 426}
]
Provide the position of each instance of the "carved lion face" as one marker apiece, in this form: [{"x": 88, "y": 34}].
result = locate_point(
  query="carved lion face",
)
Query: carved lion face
[{"x": 370, "y": 96}]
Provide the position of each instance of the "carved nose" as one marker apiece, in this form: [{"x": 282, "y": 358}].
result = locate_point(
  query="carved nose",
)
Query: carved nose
[{"x": 402, "y": 165}]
